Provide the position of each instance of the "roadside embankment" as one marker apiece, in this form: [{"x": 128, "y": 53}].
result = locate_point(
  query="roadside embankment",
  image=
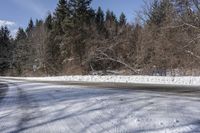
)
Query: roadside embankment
[{"x": 155, "y": 80}]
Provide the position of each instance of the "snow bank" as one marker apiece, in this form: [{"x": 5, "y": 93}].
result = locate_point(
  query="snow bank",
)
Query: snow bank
[{"x": 191, "y": 81}]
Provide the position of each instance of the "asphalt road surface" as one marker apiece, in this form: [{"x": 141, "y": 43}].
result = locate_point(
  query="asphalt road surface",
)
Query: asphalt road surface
[{"x": 35, "y": 107}]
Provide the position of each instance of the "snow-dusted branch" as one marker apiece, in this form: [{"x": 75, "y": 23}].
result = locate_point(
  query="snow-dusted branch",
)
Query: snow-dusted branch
[{"x": 103, "y": 56}]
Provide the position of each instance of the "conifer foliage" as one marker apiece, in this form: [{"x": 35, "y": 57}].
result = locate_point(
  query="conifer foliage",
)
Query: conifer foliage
[{"x": 77, "y": 39}]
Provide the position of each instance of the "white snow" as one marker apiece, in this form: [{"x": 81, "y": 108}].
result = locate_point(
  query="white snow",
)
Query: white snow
[
  {"x": 156, "y": 80},
  {"x": 48, "y": 108}
]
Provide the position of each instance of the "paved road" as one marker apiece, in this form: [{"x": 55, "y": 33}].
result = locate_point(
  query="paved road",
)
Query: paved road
[{"x": 32, "y": 107}]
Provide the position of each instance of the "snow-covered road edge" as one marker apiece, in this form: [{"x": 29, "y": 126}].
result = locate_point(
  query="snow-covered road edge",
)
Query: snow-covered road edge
[{"x": 156, "y": 80}]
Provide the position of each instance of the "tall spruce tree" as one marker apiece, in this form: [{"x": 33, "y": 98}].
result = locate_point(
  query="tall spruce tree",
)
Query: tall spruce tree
[
  {"x": 78, "y": 26},
  {"x": 49, "y": 22},
  {"x": 5, "y": 49},
  {"x": 111, "y": 23},
  {"x": 56, "y": 33},
  {"x": 159, "y": 11},
  {"x": 30, "y": 27},
  {"x": 110, "y": 16},
  {"x": 21, "y": 34},
  {"x": 99, "y": 19},
  {"x": 52, "y": 47},
  {"x": 82, "y": 12},
  {"x": 122, "y": 19},
  {"x": 99, "y": 16},
  {"x": 20, "y": 51},
  {"x": 62, "y": 11}
]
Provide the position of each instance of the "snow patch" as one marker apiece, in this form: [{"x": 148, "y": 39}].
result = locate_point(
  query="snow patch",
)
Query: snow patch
[{"x": 156, "y": 80}]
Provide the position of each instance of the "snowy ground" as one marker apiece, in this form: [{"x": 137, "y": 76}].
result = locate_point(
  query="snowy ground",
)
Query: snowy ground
[
  {"x": 48, "y": 108},
  {"x": 186, "y": 81}
]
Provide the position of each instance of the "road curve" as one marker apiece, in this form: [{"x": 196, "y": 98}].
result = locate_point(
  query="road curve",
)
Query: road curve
[{"x": 32, "y": 107}]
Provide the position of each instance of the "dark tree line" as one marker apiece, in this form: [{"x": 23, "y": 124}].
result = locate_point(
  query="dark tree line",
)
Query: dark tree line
[{"x": 76, "y": 39}]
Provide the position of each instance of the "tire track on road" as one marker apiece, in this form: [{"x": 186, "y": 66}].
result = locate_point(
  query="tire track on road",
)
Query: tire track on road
[
  {"x": 28, "y": 109},
  {"x": 9, "y": 109},
  {"x": 3, "y": 90}
]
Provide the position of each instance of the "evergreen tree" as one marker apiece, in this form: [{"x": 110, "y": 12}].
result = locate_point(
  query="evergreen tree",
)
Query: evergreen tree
[
  {"x": 62, "y": 11},
  {"x": 122, "y": 19},
  {"x": 52, "y": 45},
  {"x": 30, "y": 27},
  {"x": 53, "y": 54},
  {"x": 99, "y": 20},
  {"x": 21, "y": 34},
  {"x": 110, "y": 16},
  {"x": 4, "y": 35},
  {"x": 159, "y": 11},
  {"x": 77, "y": 28},
  {"x": 20, "y": 51},
  {"x": 5, "y": 49},
  {"x": 111, "y": 24},
  {"x": 113, "y": 17},
  {"x": 38, "y": 22},
  {"x": 49, "y": 22},
  {"x": 99, "y": 17},
  {"x": 81, "y": 10},
  {"x": 56, "y": 33}
]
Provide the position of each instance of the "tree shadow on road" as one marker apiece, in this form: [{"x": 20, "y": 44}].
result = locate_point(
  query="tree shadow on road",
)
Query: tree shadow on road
[
  {"x": 3, "y": 90},
  {"x": 87, "y": 110}
]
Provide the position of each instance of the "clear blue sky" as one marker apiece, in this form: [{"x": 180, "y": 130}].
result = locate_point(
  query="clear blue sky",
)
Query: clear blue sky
[{"x": 16, "y": 13}]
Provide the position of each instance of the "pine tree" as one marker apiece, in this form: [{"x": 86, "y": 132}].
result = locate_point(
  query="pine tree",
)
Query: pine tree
[
  {"x": 30, "y": 27},
  {"x": 62, "y": 11},
  {"x": 77, "y": 27},
  {"x": 110, "y": 16},
  {"x": 82, "y": 12},
  {"x": 21, "y": 34},
  {"x": 53, "y": 54},
  {"x": 5, "y": 49},
  {"x": 99, "y": 20},
  {"x": 4, "y": 35},
  {"x": 52, "y": 45},
  {"x": 159, "y": 11},
  {"x": 113, "y": 17},
  {"x": 20, "y": 51},
  {"x": 38, "y": 22},
  {"x": 55, "y": 38},
  {"x": 122, "y": 19},
  {"x": 49, "y": 22},
  {"x": 111, "y": 23}
]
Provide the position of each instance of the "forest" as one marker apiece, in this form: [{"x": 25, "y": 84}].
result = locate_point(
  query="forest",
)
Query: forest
[{"x": 76, "y": 39}]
